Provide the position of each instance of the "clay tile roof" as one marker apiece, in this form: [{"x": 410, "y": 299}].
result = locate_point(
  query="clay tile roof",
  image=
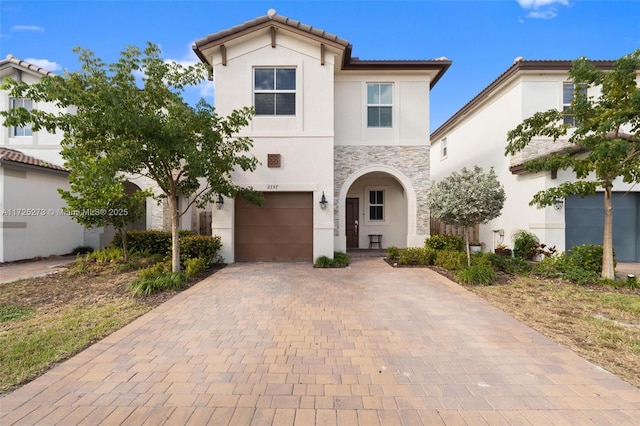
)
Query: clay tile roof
[
  {"x": 8, "y": 155},
  {"x": 12, "y": 61},
  {"x": 273, "y": 17}
]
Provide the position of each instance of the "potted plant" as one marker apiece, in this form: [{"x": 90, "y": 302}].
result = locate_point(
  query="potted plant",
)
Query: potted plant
[
  {"x": 502, "y": 250},
  {"x": 475, "y": 246}
]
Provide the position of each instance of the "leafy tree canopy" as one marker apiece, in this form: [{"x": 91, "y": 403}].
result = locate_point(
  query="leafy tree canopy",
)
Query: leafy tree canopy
[{"x": 144, "y": 128}]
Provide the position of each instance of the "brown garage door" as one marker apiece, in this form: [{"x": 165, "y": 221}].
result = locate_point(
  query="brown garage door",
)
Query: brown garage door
[{"x": 280, "y": 230}]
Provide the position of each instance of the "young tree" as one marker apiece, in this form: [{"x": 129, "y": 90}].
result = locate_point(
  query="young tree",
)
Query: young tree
[
  {"x": 606, "y": 139},
  {"x": 466, "y": 199},
  {"x": 97, "y": 196},
  {"x": 145, "y": 129}
]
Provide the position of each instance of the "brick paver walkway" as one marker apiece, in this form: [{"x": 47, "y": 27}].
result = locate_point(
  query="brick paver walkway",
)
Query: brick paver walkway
[{"x": 286, "y": 344}]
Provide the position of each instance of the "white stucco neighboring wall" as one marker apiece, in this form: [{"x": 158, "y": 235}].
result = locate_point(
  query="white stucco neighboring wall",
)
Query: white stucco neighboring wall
[
  {"x": 479, "y": 137},
  {"x": 33, "y": 223}
]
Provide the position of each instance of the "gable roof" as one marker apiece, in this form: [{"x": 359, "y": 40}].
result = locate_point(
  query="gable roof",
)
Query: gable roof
[
  {"x": 11, "y": 63},
  {"x": 272, "y": 19},
  {"x": 17, "y": 158},
  {"x": 520, "y": 65}
]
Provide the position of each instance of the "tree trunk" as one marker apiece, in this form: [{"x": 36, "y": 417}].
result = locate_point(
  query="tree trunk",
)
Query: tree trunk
[
  {"x": 466, "y": 240},
  {"x": 125, "y": 249},
  {"x": 175, "y": 238},
  {"x": 608, "y": 271}
]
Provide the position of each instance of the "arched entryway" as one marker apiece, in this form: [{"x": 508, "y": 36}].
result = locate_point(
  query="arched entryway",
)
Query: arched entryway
[{"x": 376, "y": 201}]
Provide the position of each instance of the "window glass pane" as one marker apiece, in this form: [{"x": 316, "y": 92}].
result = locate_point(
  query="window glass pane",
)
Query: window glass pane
[
  {"x": 264, "y": 79},
  {"x": 264, "y": 103},
  {"x": 373, "y": 94},
  {"x": 567, "y": 93},
  {"x": 386, "y": 94},
  {"x": 285, "y": 103},
  {"x": 385, "y": 116},
  {"x": 380, "y": 197},
  {"x": 285, "y": 79},
  {"x": 373, "y": 117},
  {"x": 372, "y": 197},
  {"x": 375, "y": 213},
  {"x": 27, "y": 103}
]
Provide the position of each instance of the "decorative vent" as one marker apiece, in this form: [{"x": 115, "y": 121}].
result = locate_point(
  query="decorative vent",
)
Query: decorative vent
[{"x": 273, "y": 160}]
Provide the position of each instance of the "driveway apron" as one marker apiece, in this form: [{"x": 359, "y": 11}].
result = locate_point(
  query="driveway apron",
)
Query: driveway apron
[{"x": 274, "y": 343}]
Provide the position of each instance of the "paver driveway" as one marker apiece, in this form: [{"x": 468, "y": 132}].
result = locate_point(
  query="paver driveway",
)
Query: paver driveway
[{"x": 288, "y": 344}]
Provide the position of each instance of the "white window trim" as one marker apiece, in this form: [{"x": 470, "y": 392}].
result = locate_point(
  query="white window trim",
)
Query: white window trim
[
  {"x": 379, "y": 104},
  {"x": 572, "y": 125},
  {"x": 444, "y": 149},
  {"x": 274, "y": 91},
  {"x": 367, "y": 212}
]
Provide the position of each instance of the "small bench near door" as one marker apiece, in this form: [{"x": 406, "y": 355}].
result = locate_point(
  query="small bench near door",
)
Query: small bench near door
[{"x": 375, "y": 239}]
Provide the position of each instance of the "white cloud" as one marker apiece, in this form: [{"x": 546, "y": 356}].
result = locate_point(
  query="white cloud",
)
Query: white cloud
[
  {"x": 534, "y": 4},
  {"x": 541, "y": 9},
  {"x": 546, "y": 14},
  {"x": 44, "y": 63},
  {"x": 28, "y": 28}
]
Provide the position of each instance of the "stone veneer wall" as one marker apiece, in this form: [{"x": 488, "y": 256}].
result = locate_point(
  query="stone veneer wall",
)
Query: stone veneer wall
[
  {"x": 539, "y": 147},
  {"x": 412, "y": 161}
]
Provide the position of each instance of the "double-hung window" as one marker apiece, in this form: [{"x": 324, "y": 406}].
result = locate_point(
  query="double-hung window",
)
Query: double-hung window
[
  {"x": 376, "y": 205},
  {"x": 275, "y": 91},
  {"x": 379, "y": 104},
  {"x": 21, "y": 103},
  {"x": 568, "y": 92},
  {"x": 443, "y": 148}
]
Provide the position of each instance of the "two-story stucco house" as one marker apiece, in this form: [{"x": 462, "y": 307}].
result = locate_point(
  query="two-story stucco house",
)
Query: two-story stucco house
[
  {"x": 477, "y": 135},
  {"x": 343, "y": 142}
]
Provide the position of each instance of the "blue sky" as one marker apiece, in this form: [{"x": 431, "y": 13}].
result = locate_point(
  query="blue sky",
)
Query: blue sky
[{"x": 482, "y": 38}]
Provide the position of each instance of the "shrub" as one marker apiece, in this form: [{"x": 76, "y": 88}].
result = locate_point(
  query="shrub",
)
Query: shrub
[
  {"x": 199, "y": 246},
  {"x": 340, "y": 260},
  {"x": 416, "y": 256},
  {"x": 149, "y": 241},
  {"x": 587, "y": 257},
  {"x": 451, "y": 259},
  {"x": 525, "y": 244},
  {"x": 445, "y": 242},
  {"x": 510, "y": 265},
  {"x": 552, "y": 267},
  {"x": 195, "y": 266},
  {"x": 146, "y": 287},
  {"x": 82, "y": 250},
  {"x": 106, "y": 255},
  {"x": 476, "y": 274},
  {"x": 579, "y": 275},
  {"x": 481, "y": 259},
  {"x": 393, "y": 252}
]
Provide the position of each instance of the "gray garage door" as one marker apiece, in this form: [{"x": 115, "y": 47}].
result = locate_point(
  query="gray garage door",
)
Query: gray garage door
[
  {"x": 280, "y": 230},
  {"x": 585, "y": 223}
]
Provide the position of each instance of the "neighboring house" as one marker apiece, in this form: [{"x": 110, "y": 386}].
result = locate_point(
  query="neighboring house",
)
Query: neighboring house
[
  {"x": 30, "y": 173},
  {"x": 33, "y": 222},
  {"x": 343, "y": 142},
  {"x": 477, "y": 135}
]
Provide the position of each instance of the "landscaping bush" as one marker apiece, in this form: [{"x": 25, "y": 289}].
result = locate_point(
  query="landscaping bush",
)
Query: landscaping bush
[
  {"x": 416, "y": 256},
  {"x": 445, "y": 242},
  {"x": 480, "y": 258},
  {"x": 525, "y": 244},
  {"x": 80, "y": 250},
  {"x": 340, "y": 260},
  {"x": 106, "y": 255},
  {"x": 476, "y": 274},
  {"x": 149, "y": 241},
  {"x": 195, "y": 266},
  {"x": 199, "y": 246},
  {"x": 552, "y": 267},
  {"x": 579, "y": 275},
  {"x": 513, "y": 266},
  {"x": 393, "y": 253},
  {"x": 587, "y": 257},
  {"x": 451, "y": 259},
  {"x": 146, "y": 287}
]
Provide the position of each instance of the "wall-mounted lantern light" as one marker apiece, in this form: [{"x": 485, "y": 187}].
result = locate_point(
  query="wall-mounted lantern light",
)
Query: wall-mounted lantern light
[
  {"x": 220, "y": 202},
  {"x": 323, "y": 202},
  {"x": 558, "y": 203}
]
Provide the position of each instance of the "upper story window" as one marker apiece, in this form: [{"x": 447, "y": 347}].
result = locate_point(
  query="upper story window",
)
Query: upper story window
[
  {"x": 379, "y": 104},
  {"x": 568, "y": 91},
  {"x": 21, "y": 103},
  {"x": 443, "y": 148},
  {"x": 376, "y": 205},
  {"x": 275, "y": 91}
]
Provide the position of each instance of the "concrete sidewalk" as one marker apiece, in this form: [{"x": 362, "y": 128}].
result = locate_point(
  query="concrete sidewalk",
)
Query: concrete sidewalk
[
  {"x": 286, "y": 344},
  {"x": 19, "y": 270}
]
